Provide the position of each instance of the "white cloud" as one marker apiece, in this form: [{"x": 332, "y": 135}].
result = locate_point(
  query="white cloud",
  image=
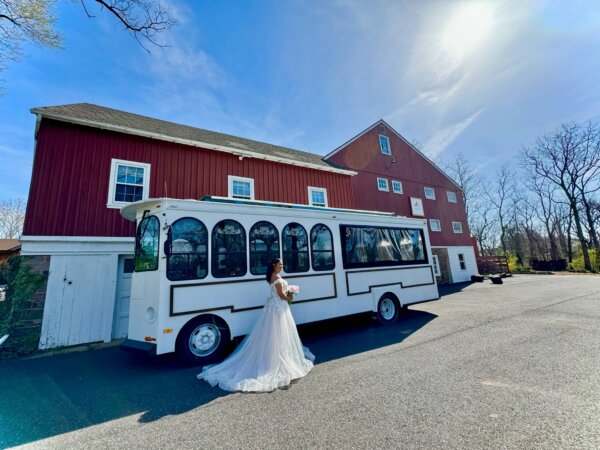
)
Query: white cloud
[{"x": 442, "y": 138}]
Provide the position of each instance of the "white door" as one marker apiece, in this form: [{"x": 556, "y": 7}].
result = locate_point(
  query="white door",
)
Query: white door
[
  {"x": 79, "y": 300},
  {"x": 126, "y": 266}
]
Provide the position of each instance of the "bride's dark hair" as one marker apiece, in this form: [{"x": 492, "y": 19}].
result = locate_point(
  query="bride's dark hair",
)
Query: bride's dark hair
[{"x": 271, "y": 269}]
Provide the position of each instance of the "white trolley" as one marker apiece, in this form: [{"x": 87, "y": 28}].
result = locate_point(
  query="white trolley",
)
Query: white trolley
[{"x": 200, "y": 267}]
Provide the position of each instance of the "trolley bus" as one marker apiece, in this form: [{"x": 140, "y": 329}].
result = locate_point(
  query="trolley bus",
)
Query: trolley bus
[{"x": 200, "y": 266}]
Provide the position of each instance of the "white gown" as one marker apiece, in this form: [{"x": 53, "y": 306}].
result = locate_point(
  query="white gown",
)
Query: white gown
[{"x": 270, "y": 357}]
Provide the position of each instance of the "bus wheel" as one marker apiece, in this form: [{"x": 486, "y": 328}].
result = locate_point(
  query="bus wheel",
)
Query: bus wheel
[
  {"x": 388, "y": 309},
  {"x": 203, "y": 340}
]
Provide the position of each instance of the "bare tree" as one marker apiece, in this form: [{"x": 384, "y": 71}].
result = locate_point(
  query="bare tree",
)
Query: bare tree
[
  {"x": 586, "y": 172},
  {"x": 481, "y": 224},
  {"x": 501, "y": 194},
  {"x": 25, "y": 22},
  {"x": 561, "y": 157},
  {"x": 545, "y": 205},
  {"x": 563, "y": 226},
  {"x": 12, "y": 215},
  {"x": 144, "y": 19},
  {"x": 463, "y": 174}
]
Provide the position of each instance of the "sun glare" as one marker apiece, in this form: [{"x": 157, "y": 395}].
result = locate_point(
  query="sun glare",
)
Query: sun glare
[{"x": 467, "y": 29}]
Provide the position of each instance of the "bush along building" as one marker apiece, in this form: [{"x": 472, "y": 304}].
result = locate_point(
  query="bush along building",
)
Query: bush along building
[
  {"x": 90, "y": 161},
  {"x": 393, "y": 175}
]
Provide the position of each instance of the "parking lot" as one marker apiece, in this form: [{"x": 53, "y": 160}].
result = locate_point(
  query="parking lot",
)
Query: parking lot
[{"x": 488, "y": 366}]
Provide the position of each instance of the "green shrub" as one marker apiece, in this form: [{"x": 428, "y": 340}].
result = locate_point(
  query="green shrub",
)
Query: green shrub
[
  {"x": 513, "y": 264},
  {"x": 22, "y": 284},
  {"x": 578, "y": 264}
]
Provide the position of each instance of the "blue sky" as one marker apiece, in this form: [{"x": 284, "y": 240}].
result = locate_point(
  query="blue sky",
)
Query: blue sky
[{"x": 311, "y": 75}]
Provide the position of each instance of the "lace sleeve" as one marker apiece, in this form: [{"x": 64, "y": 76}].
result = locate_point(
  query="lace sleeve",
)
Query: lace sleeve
[{"x": 278, "y": 281}]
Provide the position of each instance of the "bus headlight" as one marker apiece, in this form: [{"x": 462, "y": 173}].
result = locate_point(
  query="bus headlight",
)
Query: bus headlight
[{"x": 150, "y": 314}]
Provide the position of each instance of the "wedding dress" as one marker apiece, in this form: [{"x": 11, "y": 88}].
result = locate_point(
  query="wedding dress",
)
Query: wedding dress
[{"x": 270, "y": 357}]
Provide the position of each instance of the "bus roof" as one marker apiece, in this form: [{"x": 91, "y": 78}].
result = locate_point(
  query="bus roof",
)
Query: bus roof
[
  {"x": 240, "y": 201},
  {"x": 129, "y": 211}
]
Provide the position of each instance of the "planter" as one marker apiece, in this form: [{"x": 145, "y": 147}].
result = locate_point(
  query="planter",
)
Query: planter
[{"x": 496, "y": 279}]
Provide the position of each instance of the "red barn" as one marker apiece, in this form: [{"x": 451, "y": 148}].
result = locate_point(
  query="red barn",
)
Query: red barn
[
  {"x": 90, "y": 160},
  {"x": 395, "y": 176}
]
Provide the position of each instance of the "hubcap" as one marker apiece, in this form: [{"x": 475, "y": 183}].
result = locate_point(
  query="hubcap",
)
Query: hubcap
[
  {"x": 204, "y": 339},
  {"x": 388, "y": 309}
]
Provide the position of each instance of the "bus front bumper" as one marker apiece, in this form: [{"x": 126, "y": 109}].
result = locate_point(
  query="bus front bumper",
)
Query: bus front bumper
[{"x": 139, "y": 347}]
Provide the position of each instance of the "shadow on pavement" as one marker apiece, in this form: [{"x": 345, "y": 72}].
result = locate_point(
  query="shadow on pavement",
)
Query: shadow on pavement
[
  {"x": 448, "y": 289},
  {"x": 44, "y": 397}
]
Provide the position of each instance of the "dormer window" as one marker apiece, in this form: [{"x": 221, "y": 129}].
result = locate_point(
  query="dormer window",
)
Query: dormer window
[{"x": 384, "y": 145}]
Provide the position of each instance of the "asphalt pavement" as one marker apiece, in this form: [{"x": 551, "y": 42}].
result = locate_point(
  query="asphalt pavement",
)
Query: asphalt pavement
[{"x": 488, "y": 366}]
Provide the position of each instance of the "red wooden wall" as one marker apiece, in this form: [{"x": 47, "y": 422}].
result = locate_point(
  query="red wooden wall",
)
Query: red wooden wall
[
  {"x": 414, "y": 171},
  {"x": 71, "y": 172}
]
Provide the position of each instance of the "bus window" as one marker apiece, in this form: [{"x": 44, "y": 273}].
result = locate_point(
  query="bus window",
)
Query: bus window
[
  {"x": 228, "y": 249},
  {"x": 264, "y": 246},
  {"x": 381, "y": 246},
  {"x": 146, "y": 244},
  {"x": 187, "y": 250},
  {"x": 295, "y": 248},
  {"x": 321, "y": 248}
]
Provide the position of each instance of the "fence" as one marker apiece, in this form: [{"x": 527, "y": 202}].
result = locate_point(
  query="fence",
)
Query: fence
[
  {"x": 552, "y": 265},
  {"x": 492, "y": 264}
]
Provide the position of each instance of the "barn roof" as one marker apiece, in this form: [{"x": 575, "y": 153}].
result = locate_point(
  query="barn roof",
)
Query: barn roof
[{"x": 112, "y": 119}]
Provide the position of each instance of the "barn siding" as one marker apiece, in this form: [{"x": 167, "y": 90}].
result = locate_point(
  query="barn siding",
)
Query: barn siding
[
  {"x": 414, "y": 171},
  {"x": 70, "y": 182}
]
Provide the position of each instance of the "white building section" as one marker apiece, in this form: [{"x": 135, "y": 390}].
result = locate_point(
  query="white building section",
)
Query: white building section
[
  {"x": 82, "y": 287},
  {"x": 462, "y": 263}
]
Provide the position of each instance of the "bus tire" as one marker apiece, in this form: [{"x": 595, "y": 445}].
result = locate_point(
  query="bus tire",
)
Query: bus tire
[
  {"x": 203, "y": 340},
  {"x": 388, "y": 309}
]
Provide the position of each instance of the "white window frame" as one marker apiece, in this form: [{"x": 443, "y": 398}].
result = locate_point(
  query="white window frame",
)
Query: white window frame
[
  {"x": 436, "y": 266},
  {"x": 439, "y": 225},
  {"x": 397, "y": 191},
  {"x": 387, "y": 139},
  {"x": 112, "y": 185},
  {"x": 429, "y": 197},
  {"x": 387, "y": 185},
  {"x": 312, "y": 189},
  {"x": 451, "y": 196},
  {"x": 232, "y": 178},
  {"x": 455, "y": 229}
]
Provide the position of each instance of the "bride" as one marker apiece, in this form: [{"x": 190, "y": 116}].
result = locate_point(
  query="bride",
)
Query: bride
[{"x": 271, "y": 356}]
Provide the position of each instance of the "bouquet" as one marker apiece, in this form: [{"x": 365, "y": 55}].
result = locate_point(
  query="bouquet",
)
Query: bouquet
[{"x": 292, "y": 290}]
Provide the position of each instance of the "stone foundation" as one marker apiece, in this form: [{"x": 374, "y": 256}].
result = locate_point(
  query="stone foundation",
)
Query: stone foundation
[{"x": 444, "y": 261}]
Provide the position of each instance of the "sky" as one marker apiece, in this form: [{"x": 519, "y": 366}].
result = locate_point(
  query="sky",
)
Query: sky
[{"x": 482, "y": 78}]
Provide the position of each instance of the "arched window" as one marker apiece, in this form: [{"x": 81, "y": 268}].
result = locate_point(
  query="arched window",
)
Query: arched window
[
  {"x": 264, "y": 246},
  {"x": 321, "y": 248},
  {"x": 187, "y": 250},
  {"x": 295, "y": 248},
  {"x": 228, "y": 249},
  {"x": 146, "y": 244}
]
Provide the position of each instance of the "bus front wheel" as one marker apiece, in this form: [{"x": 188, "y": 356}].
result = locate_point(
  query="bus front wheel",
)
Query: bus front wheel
[
  {"x": 203, "y": 340},
  {"x": 388, "y": 309}
]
